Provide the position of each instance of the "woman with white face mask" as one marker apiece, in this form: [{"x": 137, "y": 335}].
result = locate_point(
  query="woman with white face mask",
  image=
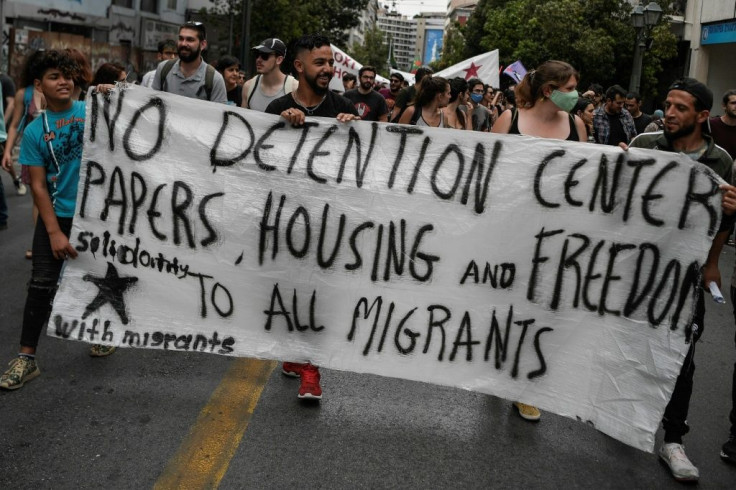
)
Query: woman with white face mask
[{"x": 544, "y": 99}]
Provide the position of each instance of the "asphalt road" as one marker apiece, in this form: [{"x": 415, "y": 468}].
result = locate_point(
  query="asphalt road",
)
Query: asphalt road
[{"x": 126, "y": 421}]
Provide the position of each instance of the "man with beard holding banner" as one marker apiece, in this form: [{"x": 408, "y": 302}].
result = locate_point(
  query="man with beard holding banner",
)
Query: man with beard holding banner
[
  {"x": 687, "y": 108},
  {"x": 190, "y": 76},
  {"x": 314, "y": 67}
]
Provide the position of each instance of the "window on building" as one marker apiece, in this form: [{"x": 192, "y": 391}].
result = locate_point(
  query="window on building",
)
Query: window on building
[
  {"x": 171, "y": 4},
  {"x": 123, "y": 3},
  {"x": 149, "y": 6}
]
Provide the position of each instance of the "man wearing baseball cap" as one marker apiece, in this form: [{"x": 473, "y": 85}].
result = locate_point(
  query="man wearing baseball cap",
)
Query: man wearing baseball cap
[
  {"x": 270, "y": 83},
  {"x": 687, "y": 109}
]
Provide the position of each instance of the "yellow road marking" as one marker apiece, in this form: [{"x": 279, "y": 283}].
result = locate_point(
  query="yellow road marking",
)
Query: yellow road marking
[{"x": 205, "y": 454}]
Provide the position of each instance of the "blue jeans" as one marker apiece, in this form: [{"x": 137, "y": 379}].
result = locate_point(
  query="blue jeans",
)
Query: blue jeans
[{"x": 44, "y": 279}]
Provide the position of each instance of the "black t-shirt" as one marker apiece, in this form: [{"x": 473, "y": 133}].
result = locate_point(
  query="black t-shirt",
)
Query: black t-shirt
[
  {"x": 8, "y": 88},
  {"x": 370, "y": 106},
  {"x": 724, "y": 135},
  {"x": 641, "y": 122},
  {"x": 617, "y": 134},
  {"x": 332, "y": 105},
  {"x": 236, "y": 95}
]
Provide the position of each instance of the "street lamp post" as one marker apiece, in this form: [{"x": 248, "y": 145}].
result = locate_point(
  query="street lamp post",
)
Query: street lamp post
[{"x": 643, "y": 19}]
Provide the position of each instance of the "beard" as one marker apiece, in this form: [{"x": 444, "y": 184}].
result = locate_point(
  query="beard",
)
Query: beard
[
  {"x": 312, "y": 82},
  {"x": 680, "y": 133},
  {"x": 366, "y": 85},
  {"x": 189, "y": 56}
]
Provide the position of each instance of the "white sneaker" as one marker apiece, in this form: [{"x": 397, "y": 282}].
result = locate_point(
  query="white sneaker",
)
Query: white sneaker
[
  {"x": 674, "y": 455},
  {"x": 20, "y": 188}
]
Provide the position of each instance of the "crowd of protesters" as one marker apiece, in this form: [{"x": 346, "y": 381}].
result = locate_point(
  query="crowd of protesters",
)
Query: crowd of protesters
[{"x": 545, "y": 104}]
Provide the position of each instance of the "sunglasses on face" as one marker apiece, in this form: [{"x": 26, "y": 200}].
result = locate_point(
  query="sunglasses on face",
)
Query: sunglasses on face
[
  {"x": 198, "y": 26},
  {"x": 263, "y": 56}
]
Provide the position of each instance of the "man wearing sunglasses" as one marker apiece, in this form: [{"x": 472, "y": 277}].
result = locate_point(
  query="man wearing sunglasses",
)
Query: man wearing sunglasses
[
  {"x": 393, "y": 90},
  {"x": 270, "y": 83},
  {"x": 190, "y": 76}
]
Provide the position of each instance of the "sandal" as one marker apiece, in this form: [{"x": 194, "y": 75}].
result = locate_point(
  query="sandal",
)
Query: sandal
[{"x": 99, "y": 350}]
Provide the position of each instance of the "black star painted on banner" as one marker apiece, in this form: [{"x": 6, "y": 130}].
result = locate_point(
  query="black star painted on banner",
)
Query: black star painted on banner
[{"x": 111, "y": 289}]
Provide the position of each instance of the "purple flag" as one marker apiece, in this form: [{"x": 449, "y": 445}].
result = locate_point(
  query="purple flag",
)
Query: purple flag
[{"x": 516, "y": 71}]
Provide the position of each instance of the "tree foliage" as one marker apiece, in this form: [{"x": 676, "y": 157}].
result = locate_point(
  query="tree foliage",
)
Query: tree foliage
[
  {"x": 284, "y": 19},
  {"x": 373, "y": 51},
  {"x": 595, "y": 36}
]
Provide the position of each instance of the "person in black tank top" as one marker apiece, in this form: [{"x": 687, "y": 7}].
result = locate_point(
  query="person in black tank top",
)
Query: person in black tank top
[{"x": 544, "y": 98}]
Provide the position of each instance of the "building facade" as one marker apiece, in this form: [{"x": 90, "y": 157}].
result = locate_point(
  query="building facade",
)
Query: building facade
[
  {"x": 124, "y": 31},
  {"x": 367, "y": 19},
  {"x": 401, "y": 33},
  {"x": 710, "y": 26},
  {"x": 459, "y": 11}
]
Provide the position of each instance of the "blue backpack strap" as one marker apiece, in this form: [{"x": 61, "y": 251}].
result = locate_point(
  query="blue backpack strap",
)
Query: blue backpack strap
[{"x": 27, "y": 98}]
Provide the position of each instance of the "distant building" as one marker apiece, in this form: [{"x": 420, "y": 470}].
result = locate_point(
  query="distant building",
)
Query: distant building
[
  {"x": 430, "y": 33},
  {"x": 124, "y": 31},
  {"x": 459, "y": 11},
  {"x": 401, "y": 33},
  {"x": 368, "y": 17},
  {"x": 710, "y": 28}
]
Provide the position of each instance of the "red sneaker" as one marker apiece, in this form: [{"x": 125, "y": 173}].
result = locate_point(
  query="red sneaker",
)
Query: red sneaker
[
  {"x": 310, "y": 388},
  {"x": 293, "y": 369}
]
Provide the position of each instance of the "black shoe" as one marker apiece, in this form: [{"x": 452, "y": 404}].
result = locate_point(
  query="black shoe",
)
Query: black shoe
[{"x": 728, "y": 450}]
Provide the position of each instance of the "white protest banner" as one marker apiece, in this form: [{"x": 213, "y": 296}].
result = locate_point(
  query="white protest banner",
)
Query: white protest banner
[
  {"x": 483, "y": 66},
  {"x": 346, "y": 64},
  {"x": 555, "y": 273},
  {"x": 409, "y": 77}
]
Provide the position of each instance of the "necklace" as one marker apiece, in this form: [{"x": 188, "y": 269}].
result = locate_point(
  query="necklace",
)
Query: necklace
[{"x": 308, "y": 110}]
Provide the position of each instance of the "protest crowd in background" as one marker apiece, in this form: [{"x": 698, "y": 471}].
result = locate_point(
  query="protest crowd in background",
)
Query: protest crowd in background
[{"x": 544, "y": 102}]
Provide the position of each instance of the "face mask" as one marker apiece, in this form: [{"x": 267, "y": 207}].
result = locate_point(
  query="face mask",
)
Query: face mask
[
  {"x": 564, "y": 100},
  {"x": 476, "y": 98}
]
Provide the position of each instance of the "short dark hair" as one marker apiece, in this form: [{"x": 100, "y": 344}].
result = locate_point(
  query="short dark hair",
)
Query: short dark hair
[
  {"x": 422, "y": 72},
  {"x": 397, "y": 75},
  {"x": 634, "y": 95},
  {"x": 31, "y": 68},
  {"x": 366, "y": 68},
  {"x": 308, "y": 43},
  {"x": 108, "y": 73},
  {"x": 476, "y": 81},
  {"x": 597, "y": 88},
  {"x": 226, "y": 62},
  {"x": 348, "y": 76},
  {"x": 458, "y": 85},
  {"x": 196, "y": 26},
  {"x": 59, "y": 60},
  {"x": 615, "y": 90},
  {"x": 166, "y": 43},
  {"x": 581, "y": 104},
  {"x": 728, "y": 94}
]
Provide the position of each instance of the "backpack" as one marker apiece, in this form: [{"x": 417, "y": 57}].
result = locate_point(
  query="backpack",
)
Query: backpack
[
  {"x": 209, "y": 78},
  {"x": 27, "y": 98},
  {"x": 291, "y": 81}
]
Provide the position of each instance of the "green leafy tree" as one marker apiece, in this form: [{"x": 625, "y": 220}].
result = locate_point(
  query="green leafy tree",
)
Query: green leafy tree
[
  {"x": 595, "y": 36},
  {"x": 284, "y": 19},
  {"x": 373, "y": 51}
]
